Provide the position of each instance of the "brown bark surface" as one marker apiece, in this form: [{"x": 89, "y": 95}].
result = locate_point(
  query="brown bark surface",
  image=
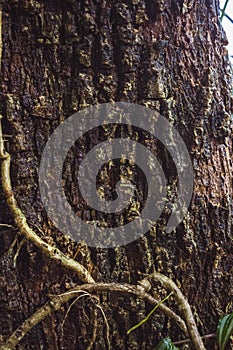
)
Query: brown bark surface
[{"x": 62, "y": 56}]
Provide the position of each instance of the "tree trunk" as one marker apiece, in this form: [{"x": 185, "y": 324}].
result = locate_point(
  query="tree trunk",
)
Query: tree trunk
[{"x": 60, "y": 57}]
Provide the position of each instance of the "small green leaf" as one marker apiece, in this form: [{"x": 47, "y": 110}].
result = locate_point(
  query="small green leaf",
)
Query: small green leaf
[
  {"x": 166, "y": 344},
  {"x": 224, "y": 330}
]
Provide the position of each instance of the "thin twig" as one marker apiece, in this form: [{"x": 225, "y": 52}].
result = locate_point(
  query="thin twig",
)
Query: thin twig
[
  {"x": 10, "y": 249},
  {"x": 184, "y": 307},
  {"x": 107, "y": 326},
  {"x": 70, "y": 307},
  {"x": 185, "y": 341},
  {"x": 95, "y": 323},
  {"x": 21, "y": 222},
  {"x": 17, "y": 251},
  {"x": 8, "y": 226},
  {"x": 56, "y": 302}
]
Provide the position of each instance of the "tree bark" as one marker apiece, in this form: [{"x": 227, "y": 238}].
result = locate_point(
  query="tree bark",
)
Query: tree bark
[{"x": 60, "y": 57}]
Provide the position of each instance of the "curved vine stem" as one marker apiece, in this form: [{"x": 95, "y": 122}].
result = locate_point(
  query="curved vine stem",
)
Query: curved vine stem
[
  {"x": 183, "y": 305},
  {"x": 56, "y": 302},
  {"x": 21, "y": 222}
]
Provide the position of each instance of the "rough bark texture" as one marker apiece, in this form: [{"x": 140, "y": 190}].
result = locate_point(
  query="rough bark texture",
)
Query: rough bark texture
[{"x": 62, "y": 56}]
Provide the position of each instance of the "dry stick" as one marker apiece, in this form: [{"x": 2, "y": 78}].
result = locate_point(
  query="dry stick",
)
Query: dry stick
[
  {"x": 21, "y": 222},
  {"x": 56, "y": 302},
  {"x": 184, "y": 307}
]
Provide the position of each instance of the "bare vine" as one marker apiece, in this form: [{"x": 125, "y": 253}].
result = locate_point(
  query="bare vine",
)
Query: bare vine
[
  {"x": 21, "y": 222},
  {"x": 55, "y": 303},
  {"x": 183, "y": 305}
]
